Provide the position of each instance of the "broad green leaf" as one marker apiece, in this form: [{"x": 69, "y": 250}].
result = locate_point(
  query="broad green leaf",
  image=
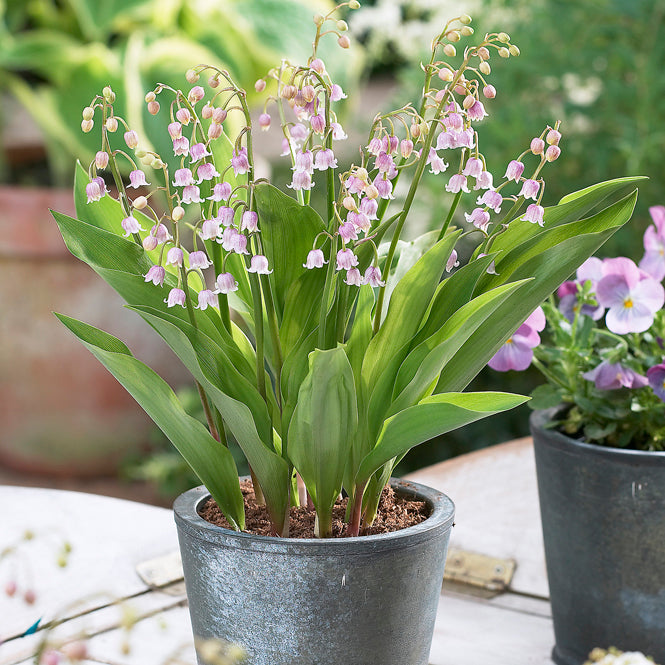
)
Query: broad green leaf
[
  {"x": 322, "y": 428},
  {"x": 209, "y": 459},
  {"x": 408, "y": 304},
  {"x": 270, "y": 469},
  {"x": 287, "y": 233},
  {"x": 432, "y": 417}
]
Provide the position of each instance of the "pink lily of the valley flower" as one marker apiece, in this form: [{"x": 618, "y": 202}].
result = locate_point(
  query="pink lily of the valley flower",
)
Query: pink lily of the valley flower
[
  {"x": 514, "y": 170},
  {"x": 199, "y": 261},
  {"x": 259, "y": 265},
  {"x": 534, "y": 214},
  {"x": 346, "y": 259},
  {"x": 207, "y": 299},
  {"x": 517, "y": 352},
  {"x": 226, "y": 283},
  {"x": 315, "y": 259},
  {"x": 137, "y": 179},
  {"x": 175, "y": 297},
  {"x": 130, "y": 225},
  {"x": 156, "y": 275},
  {"x": 353, "y": 277},
  {"x": 633, "y": 296},
  {"x": 240, "y": 161},
  {"x": 373, "y": 277}
]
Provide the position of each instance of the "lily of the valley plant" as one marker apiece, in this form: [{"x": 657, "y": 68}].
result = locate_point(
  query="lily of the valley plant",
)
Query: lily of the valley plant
[
  {"x": 604, "y": 353},
  {"x": 323, "y": 344}
]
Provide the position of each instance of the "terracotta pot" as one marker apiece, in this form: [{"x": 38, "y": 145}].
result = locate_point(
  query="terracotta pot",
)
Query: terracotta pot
[
  {"x": 603, "y": 516},
  {"x": 62, "y": 413},
  {"x": 369, "y": 600}
]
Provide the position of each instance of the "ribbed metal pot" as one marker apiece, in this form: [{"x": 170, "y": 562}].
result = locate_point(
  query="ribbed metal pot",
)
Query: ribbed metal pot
[
  {"x": 369, "y": 600},
  {"x": 603, "y": 515}
]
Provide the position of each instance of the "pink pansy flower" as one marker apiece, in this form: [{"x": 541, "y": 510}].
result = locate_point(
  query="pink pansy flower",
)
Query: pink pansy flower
[
  {"x": 198, "y": 261},
  {"x": 221, "y": 192},
  {"x": 530, "y": 189},
  {"x": 250, "y": 221},
  {"x": 479, "y": 218},
  {"x": 259, "y": 265},
  {"x": 183, "y": 177},
  {"x": 653, "y": 261},
  {"x": 226, "y": 283},
  {"x": 514, "y": 170},
  {"x": 346, "y": 259},
  {"x": 656, "y": 378},
  {"x": 315, "y": 259},
  {"x": 191, "y": 194},
  {"x": 633, "y": 296},
  {"x": 353, "y": 277},
  {"x": 492, "y": 199},
  {"x": 174, "y": 257},
  {"x": 206, "y": 299},
  {"x": 198, "y": 151},
  {"x": 452, "y": 261},
  {"x": 517, "y": 352},
  {"x": 137, "y": 179},
  {"x": 176, "y": 297},
  {"x": 590, "y": 271},
  {"x": 373, "y": 277},
  {"x": 181, "y": 146},
  {"x": 612, "y": 376},
  {"x": 240, "y": 161},
  {"x": 325, "y": 159},
  {"x": 130, "y": 225},
  {"x": 534, "y": 214},
  {"x": 156, "y": 275}
]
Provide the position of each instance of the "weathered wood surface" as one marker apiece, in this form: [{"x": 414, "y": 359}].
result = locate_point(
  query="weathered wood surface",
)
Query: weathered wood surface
[{"x": 495, "y": 494}]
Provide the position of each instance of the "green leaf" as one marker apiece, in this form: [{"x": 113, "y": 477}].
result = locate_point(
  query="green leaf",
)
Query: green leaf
[
  {"x": 323, "y": 427},
  {"x": 209, "y": 459},
  {"x": 432, "y": 417},
  {"x": 545, "y": 397},
  {"x": 287, "y": 232}
]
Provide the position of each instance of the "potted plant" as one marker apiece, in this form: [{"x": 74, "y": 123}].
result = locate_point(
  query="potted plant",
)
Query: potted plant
[
  {"x": 320, "y": 342},
  {"x": 599, "y": 438}
]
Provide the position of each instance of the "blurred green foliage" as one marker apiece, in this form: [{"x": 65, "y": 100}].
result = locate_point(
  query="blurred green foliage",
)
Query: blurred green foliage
[{"x": 56, "y": 55}]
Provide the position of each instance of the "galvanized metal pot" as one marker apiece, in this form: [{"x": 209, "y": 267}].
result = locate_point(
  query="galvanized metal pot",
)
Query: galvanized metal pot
[
  {"x": 369, "y": 600},
  {"x": 603, "y": 515}
]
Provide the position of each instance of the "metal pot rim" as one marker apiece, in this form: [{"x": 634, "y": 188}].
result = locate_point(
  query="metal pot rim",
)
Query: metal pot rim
[
  {"x": 443, "y": 511},
  {"x": 554, "y": 438}
]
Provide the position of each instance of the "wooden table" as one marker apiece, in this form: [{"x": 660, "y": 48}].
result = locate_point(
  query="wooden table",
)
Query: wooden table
[{"x": 497, "y": 515}]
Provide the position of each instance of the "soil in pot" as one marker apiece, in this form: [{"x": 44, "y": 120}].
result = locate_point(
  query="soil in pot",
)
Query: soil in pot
[{"x": 395, "y": 513}]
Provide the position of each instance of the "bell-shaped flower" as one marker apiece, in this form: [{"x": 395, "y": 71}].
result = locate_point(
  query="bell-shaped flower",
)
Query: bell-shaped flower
[
  {"x": 346, "y": 259},
  {"x": 160, "y": 233},
  {"x": 517, "y": 352},
  {"x": 304, "y": 161},
  {"x": 301, "y": 180},
  {"x": 479, "y": 217},
  {"x": 373, "y": 276},
  {"x": 137, "y": 179},
  {"x": 156, "y": 275},
  {"x": 315, "y": 259},
  {"x": 436, "y": 163},
  {"x": 633, "y": 296},
  {"x": 384, "y": 187},
  {"x": 368, "y": 207},
  {"x": 226, "y": 283},
  {"x": 191, "y": 194},
  {"x": 336, "y": 93},
  {"x": 534, "y": 214},
  {"x": 206, "y": 171},
  {"x": 514, "y": 170},
  {"x": 476, "y": 111},
  {"x": 207, "y": 299},
  {"x": 530, "y": 189},
  {"x": 473, "y": 167},
  {"x": 174, "y": 257},
  {"x": 198, "y": 151},
  {"x": 259, "y": 265},
  {"x": 225, "y": 215},
  {"x": 250, "y": 221},
  {"x": 221, "y": 192},
  {"x": 181, "y": 146},
  {"x": 612, "y": 376},
  {"x": 338, "y": 132},
  {"x": 325, "y": 159},
  {"x": 240, "y": 161},
  {"x": 183, "y": 177},
  {"x": 198, "y": 260},
  {"x": 210, "y": 229},
  {"x": 176, "y": 297},
  {"x": 353, "y": 277},
  {"x": 452, "y": 261},
  {"x": 492, "y": 199},
  {"x": 457, "y": 183},
  {"x": 348, "y": 231},
  {"x": 130, "y": 225}
]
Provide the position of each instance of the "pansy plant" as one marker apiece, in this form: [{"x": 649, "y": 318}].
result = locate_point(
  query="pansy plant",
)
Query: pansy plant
[
  {"x": 603, "y": 356},
  {"x": 322, "y": 344}
]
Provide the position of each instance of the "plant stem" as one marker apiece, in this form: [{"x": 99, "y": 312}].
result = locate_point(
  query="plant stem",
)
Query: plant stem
[
  {"x": 449, "y": 218},
  {"x": 330, "y": 273}
]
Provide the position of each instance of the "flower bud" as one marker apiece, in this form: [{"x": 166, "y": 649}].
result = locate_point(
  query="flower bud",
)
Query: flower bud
[
  {"x": 289, "y": 91},
  {"x": 514, "y": 50},
  {"x": 445, "y": 74},
  {"x": 29, "y": 597},
  {"x": 75, "y": 651},
  {"x": 148, "y": 159},
  {"x": 178, "y": 213},
  {"x": 183, "y": 116},
  {"x": 484, "y": 68},
  {"x": 260, "y": 85},
  {"x": 219, "y": 115},
  {"x": 214, "y": 131},
  {"x": 553, "y": 137},
  {"x": 503, "y": 37},
  {"x": 150, "y": 243},
  {"x": 108, "y": 94},
  {"x": 552, "y": 153},
  {"x": 264, "y": 121},
  {"x": 131, "y": 138},
  {"x": 140, "y": 202},
  {"x": 406, "y": 148},
  {"x": 344, "y": 41},
  {"x": 465, "y": 19},
  {"x": 308, "y": 93},
  {"x": 318, "y": 20},
  {"x": 483, "y": 53},
  {"x": 157, "y": 163},
  {"x": 153, "y": 108},
  {"x": 450, "y": 50},
  {"x": 504, "y": 52},
  {"x": 371, "y": 192},
  {"x": 150, "y": 97},
  {"x": 213, "y": 81},
  {"x": 191, "y": 76},
  {"x": 354, "y": 4},
  {"x": 537, "y": 146},
  {"x": 415, "y": 130},
  {"x": 206, "y": 111},
  {"x": 140, "y": 153},
  {"x": 467, "y": 31},
  {"x": 102, "y": 159},
  {"x": 196, "y": 94},
  {"x": 489, "y": 91},
  {"x": 88, "y": 113},
  {"x": 349, "y": 203},
  {"x": 342, "y": 26},
  {"x": 453, "y": 36},
  {"x": 111, "y": 124},
  {"x": 10, "y": 588},
  {"x": 87, "y": 125},
  {"x": 469, "y": 101}
]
